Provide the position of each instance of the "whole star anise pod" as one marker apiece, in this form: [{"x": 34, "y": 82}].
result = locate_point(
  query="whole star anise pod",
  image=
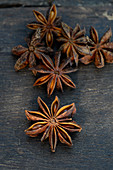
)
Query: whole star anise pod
[
  {"x": 54, "y": 124},
  {"x": 54, "y": 74},
  {"x": 74, "y": 42},
  {"x": 101, "y": 50},
  {"x": 48, "y": 26},
  {"x": 28, "y": 55}
]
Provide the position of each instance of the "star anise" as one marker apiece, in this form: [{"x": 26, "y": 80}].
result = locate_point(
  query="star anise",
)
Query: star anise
[
  {"x": 28, "y": 55},
  {"x": 101, "y": 50},
  {"x": 48, "y": 26},
  {"x": 74, "y": 42},
  {"x": 54, "y": 74},
  {"x": 54, "y": 124}
]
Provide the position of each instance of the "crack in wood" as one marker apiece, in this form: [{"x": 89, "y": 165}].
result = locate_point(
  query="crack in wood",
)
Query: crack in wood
[
  {"x": 41, "y": 4},
  {"x": 10, "y": 5},
  {"x": 21, "y": 5}
]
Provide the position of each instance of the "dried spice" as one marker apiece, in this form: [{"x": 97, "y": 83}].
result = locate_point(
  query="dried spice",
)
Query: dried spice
[
  {"x": 58, "y": 122},
  {"x": 101, "y": 50},
  {"x": 54, "y": 124},
  {"x": 54, "y": 74},
  {"x": 28, "y": 55},
  {"x": 74, "y": 42},
  {"x": 48, "y": 26}
]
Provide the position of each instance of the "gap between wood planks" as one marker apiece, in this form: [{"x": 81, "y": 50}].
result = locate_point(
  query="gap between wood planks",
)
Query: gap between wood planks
[
  {"x": 42, "y": 4},
  {"x": 21, "y": 5}
]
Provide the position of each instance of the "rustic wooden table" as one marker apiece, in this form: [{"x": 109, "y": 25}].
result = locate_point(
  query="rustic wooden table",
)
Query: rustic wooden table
[{"x": 93, "y": 147}]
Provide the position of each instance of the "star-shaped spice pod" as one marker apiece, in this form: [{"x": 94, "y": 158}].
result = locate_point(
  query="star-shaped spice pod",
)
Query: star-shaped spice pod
[
  {"x": 48, "y": 26},
  {"x": 54, "y": 124},
  {"x": 54, "y": 74},
  {"x": 101, "y": 50},
  {"x": 74, "y": 42},
  {"x": 28, "y": 55}
]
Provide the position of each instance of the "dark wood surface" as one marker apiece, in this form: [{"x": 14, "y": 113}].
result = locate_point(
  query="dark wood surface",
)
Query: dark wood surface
[
  {"x": 93, "y": 147},
  {"x": 9, "y": 3}
]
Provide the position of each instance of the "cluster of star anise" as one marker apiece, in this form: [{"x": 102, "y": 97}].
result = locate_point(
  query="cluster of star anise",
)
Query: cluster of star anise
[{"x": 54, "y": 61}]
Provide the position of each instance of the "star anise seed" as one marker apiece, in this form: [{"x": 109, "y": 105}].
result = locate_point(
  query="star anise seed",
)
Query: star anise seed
[
  {"x": 101, "y": 50},
  {"x": 53, "y": 124},
  {"x": 54, "y": 74},
  {"x": 74, "y": 42},
  {"x": 48, "y": 26}
]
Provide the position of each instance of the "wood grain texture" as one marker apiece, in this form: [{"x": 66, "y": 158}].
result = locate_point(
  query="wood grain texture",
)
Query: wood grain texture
[
  {"x": 93, "y": 147},
  {"x": 63, "y": 3}
]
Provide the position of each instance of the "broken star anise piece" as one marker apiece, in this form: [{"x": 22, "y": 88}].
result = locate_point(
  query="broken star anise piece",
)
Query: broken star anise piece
[
  {"x": 54, "y": 74},
  {"x": 74, "y": 42},
  {"x": 48, "y": 26},
  {"x": 28, "y": 55},
  {"x": 54, "y": 124},
  {"x": 101, "y": 50}
]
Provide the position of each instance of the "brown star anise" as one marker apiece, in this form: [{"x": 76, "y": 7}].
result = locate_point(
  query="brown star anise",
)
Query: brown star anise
[
  {"x": 48, "y": 26},
  {"x": 101, "y": 50},
  {"x": 75, "y": 42},
  {"x": 54, "y": 74},
  {"x": 54, "y": 124},
  {"x": 28, "y": 55}
]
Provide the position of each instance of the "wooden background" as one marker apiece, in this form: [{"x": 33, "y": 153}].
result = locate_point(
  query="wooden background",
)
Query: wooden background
[{"x": 93, "y": 147}]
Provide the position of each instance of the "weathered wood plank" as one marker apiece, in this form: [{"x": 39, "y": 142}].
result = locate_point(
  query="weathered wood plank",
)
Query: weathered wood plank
[
  {"x": 93, "y": 147},
  {"x": 68, "y": 3}
]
